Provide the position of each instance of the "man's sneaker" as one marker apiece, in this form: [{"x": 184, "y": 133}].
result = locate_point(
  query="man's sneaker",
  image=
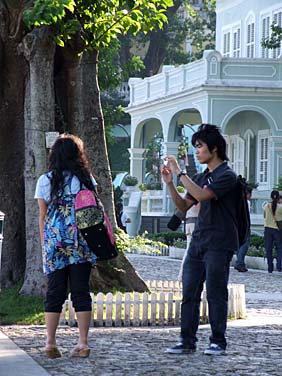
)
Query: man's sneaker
[
  {"x": 214, "y": 349},
  {"x": 180, "y": 348}
]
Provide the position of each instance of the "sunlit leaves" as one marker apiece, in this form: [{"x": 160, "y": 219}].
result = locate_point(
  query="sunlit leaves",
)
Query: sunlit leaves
[
  {"x": 98, "y": 21},
  {"x": 47, "y": 12}
]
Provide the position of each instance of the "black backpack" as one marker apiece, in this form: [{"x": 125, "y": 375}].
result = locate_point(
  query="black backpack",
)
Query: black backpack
[{"x": 242, "y": 212}]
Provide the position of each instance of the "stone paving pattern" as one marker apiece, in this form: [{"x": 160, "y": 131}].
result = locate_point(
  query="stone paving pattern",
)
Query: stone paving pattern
[{"x": 254, "y": 344}]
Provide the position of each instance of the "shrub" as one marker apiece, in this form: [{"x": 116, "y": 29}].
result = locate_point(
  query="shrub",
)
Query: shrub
[
  {"x": 256, "y": 252},
  {"x": 180, "y": 189},
  {"x": 137, "y": 244},
  {"x": 180, "y": 243},
  {"x": 256, "y": 248},
  {"x": 153, "y": 186},
  {"x": 130, "y": 181},
  {"x": 167, "y": 237},
  {"x": 257, "y": 241},
  {"x": 142, "y": 187}
]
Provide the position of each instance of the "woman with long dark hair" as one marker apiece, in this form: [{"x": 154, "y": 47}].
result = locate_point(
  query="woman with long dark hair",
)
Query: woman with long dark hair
[
  {"x": 272, "y": 235},
  {"x": 67, "y": 258}
]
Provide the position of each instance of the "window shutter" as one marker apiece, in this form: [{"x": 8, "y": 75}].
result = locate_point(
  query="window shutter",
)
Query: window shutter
[
  {"x": 277, "y": 19},
  {"x": 263, "y": 158},
  {"x": 240, "y": 168},
  {"x": 236, "y": 43},
  {"x": 227, "y": 140},
  {"x": 265, "y": 34},
  {"x": 226, "y": 44},
  {"x": 250, "y": 40},
  {"x": 237, "y": 154}
]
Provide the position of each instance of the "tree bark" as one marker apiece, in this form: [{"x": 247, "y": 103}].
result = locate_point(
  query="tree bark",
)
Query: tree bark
[
  {"x": 27, "y": 108},
  {"x": 68, "y": 88},
  {"x": 39, "y": 51},
  {"x": 118, "y": 273},
  {"x": 92, "y": 130},
  {"x": 12, "y": 80},
  {"x": 158, "y": 44}
]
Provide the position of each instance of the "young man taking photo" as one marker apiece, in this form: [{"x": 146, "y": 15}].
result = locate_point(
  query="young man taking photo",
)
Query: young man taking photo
[{"x": 214, "y": 239}]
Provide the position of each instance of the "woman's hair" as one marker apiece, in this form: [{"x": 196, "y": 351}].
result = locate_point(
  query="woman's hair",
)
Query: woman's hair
[
  {"x": 275, "y": 195},
  {"x": 210, "y": 134},
  {"x": 67, "y": 154}
]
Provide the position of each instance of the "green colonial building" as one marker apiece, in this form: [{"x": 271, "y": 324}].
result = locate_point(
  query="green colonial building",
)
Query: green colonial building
[{"x": 238, "y": 87}]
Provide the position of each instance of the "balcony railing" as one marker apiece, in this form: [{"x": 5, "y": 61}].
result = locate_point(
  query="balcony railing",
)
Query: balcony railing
[
  {"x": 153, "y": 205},
  {"x": 211, "y": 70}
]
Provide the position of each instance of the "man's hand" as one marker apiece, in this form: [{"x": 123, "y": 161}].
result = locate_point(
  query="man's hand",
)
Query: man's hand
[
  {"x": 166, "y": 174},
  {"x": 173, "y": 164}
]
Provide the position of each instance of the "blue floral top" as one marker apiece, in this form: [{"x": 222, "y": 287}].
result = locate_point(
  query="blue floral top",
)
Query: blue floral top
[{"x": 63, "y": 244}]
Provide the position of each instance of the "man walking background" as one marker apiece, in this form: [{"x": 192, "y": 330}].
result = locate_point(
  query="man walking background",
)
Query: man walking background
[
  {"x": 242, "y": 251},
  {"x": 214, "y": 239}
]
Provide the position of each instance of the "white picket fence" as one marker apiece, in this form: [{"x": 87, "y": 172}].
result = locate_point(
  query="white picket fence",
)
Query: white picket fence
[
  {"x": 151, "y": 250},
  {"x": 160, "y": 307}
]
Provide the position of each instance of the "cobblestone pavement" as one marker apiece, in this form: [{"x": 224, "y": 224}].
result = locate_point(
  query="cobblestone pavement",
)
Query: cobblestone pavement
[{"x": 254, "y": 344}]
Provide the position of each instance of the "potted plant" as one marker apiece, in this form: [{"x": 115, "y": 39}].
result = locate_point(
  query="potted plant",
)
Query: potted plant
[
  {"x": 130, "y": 182},
  {"x": 178, "y": 248},
  {"x": 142, "y": 187},
  {"x": 155, "y": 188},
  {"x": 182, "y": 154}
]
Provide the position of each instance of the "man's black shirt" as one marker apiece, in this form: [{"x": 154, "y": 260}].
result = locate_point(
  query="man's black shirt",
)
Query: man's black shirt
[{"x": 216, "y": 226}]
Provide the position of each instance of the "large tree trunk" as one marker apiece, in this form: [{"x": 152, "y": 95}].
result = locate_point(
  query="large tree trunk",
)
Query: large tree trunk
[
  {"x": 158, "y": 44},
  {"x": 39, "y": 51},
  {"x": 118, "y": 273},
  {"x": 12, "y": 81},
  {"x": 68, "y": 88},
  {"x": 93, "y": 130}
]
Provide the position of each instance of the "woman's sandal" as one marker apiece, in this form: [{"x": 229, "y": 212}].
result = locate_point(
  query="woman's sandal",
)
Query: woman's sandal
[
  {"x": 80, "y": 353},
  {"x": 53, "y": 353}
]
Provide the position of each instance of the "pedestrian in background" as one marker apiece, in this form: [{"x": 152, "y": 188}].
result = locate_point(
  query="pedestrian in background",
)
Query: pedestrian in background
[
  {"x": 214, "y": 240},
  {"x": 66, "y": 255},
  {"x": 122, "y": 217},
  {"x": 240, "y": 264},
  {"x": 272, "y": 235},
  {"x": 190, "y": 221}
]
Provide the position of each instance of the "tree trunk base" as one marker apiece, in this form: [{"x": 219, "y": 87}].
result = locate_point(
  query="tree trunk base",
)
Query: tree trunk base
[{"x": 118, "y": 274}]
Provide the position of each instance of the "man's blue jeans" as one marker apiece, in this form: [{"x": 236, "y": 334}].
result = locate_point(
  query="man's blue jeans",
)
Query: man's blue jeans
[
  {"x": 211, "y": 266},
  {"x": 242, "y": 251}
]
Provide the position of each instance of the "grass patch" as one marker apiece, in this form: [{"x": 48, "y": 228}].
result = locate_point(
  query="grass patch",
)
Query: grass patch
[{"x": 20, "y": 310}]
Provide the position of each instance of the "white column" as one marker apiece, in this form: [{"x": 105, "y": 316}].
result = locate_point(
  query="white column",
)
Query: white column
[{"x": 137, "y": 163}]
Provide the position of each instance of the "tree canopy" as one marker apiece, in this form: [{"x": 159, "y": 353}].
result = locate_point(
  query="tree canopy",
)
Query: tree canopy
[
  {"x": 96, "y": 23},
  {"x": 62, "y": 81}
]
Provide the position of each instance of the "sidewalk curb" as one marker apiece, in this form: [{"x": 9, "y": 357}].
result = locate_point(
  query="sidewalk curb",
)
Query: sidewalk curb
[{"x": 15, "y": 362}]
